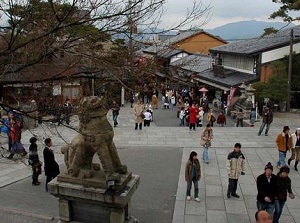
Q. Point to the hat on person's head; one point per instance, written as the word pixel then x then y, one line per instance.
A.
pixel 286 128
pixel 269 166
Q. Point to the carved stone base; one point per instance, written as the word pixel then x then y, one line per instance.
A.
pixel 94 205
pixel 97 180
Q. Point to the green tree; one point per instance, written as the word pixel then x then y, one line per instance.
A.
pixel 268 31
pixel 286 9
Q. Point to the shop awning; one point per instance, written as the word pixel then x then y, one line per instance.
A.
pixel 212 84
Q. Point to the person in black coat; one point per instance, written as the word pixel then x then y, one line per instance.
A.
pixel 34 161
pixel 50 165
pixel 266 190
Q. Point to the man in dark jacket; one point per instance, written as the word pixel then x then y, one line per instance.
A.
pixel 50 165
pixel 266 190
pixel 267 116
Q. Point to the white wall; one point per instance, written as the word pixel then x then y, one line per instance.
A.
pixel 238 63
pixel 279 53
pixel 178 56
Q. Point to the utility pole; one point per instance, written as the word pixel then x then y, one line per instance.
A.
pixel 288 104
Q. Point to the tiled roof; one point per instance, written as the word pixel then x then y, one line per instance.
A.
pixel 260 44
pixel 194 62
pixel 163 51
pixel 233 78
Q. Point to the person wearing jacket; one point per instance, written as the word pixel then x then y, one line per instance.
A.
pixel 283 187
pixel 34 161
pixel 193 111
pixel 235 165
pixel 267 119
pixel 50 165
pixel 192 175
pixel 266 190
pixel 295 148
pixel 284 143
pixel 206 137
pixel 221 120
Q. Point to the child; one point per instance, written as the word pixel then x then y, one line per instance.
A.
pixel 147 118
pixel 34 161
pixel 181 116
pixel 192 175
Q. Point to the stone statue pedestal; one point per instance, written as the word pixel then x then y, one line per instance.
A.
pixel 93 205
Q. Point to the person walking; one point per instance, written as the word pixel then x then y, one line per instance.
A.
pixel 181 116
pixel 235 165
pixel 200 117
pixel 284 143
pixel 154 101
pixel 50 165
pixel 295 148
pixel 252 117
pixel 139 115
pixel 67 111
pixel 193 112
pixel 240 118
pixel 266 190
pixel 147 118
pixel 266 120
pixel 34 161
pixel 15 134
pixel 206 137
pixel 221 120
pixel 283 187
pixel 115 112
pixel 192 175
pixel 211 117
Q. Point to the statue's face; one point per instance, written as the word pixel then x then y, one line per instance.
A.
pixel 94 104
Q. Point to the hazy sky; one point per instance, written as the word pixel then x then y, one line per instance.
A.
pixel 222 11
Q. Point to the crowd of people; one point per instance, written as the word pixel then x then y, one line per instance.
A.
pixel 14 132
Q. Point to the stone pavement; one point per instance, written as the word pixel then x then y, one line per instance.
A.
pixel 214 206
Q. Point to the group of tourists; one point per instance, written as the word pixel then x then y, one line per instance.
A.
pixel 272 190
pixel 14 132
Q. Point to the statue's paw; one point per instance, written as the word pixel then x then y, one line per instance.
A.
pixel 87 175
pixel 122 169
pixel 114 177
pixel 73 172
pixel 96 166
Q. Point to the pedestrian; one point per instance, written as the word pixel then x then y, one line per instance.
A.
pixel 295 148
pixel 15 133
pixel 147 118
pixel 131 99
pixel 221 120
pixel 67 111
pixel 211 117
pixel 266 120
pixel 115 112
pixel 193 112
pixel 266 190
pixel 263 217
pixel 139 116
pixel 252 117
pixel 154 101
pixel 206 137
pixel 240 118
pixel 283 187
pixel 34 161
pixel 200 117
pixel 50 165
pixel 192 175
pixel 181 116
pixel 235 165
pixel 284 143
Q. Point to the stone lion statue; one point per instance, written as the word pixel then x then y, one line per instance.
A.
pixel 95 136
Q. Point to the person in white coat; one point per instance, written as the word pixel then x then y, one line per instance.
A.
pixel 235 165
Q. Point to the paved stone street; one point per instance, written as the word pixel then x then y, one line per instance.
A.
pixel 214 206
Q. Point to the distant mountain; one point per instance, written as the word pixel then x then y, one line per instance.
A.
pixel 245 29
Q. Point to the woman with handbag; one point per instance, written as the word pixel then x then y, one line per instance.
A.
pixel 34 161
pixel 139 115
